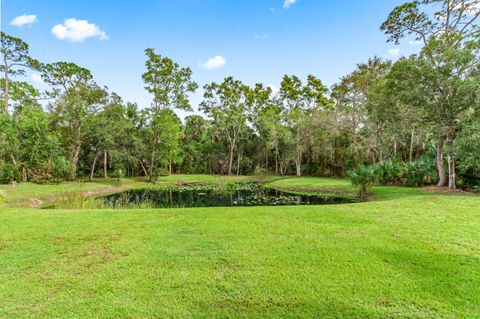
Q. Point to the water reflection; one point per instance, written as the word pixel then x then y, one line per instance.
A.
pixel 181 198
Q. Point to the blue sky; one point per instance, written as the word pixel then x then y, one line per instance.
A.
pixel 259 40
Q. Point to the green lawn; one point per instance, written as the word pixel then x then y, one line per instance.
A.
pixel 406 255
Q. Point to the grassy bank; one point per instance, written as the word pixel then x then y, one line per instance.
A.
pixel 409 255
pixel 31 195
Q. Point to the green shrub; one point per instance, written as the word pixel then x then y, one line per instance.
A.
pixel 118 173
pixel 363 177
pixel 61 168
pixel 246 166
pixel 162 172
pixel 467 155
pixel 418 173
pixel 8 173
pixel 390 171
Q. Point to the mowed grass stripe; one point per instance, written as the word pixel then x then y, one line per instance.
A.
pixel 413 258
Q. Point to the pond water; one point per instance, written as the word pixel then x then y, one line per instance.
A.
pixel 247 195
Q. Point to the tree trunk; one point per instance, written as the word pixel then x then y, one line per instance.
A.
pixel 105 168
pixel 152 162
pixel 93 167
pixel 24 175
pixel 280 165
pixel 451 173
pixel 276 160
pixel 143 168
pixel 410 156
pixel 442 179
pixel 14 161
pixel 232 147
pixel 298 160
pixel 239 158
pixel 298 164
pixel 7 84
pixel 75 158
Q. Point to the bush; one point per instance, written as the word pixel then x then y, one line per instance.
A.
pixel 363 177
pixel 8 173
pixel 118 173
pixel 390 171
pixel 467 154
pixel 246 166
pixel 418 173
pixel 162 172
pixel 61 168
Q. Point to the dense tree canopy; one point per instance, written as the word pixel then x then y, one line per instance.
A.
pixel 411 120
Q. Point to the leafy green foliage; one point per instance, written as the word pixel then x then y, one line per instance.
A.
pixel 417 173
pixel 8 173
pixel 363 177
pixel 118 173
pixel 467 148
pixel 169 84
pixel 392 116
pixel 229 105
pixel 16 61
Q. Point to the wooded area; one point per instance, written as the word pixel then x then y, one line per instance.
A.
pixel 415 121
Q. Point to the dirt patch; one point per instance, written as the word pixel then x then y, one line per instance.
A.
pixel 445 190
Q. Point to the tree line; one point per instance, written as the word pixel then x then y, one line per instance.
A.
pixel 420 114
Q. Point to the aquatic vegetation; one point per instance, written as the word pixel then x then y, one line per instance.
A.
pixel 214 195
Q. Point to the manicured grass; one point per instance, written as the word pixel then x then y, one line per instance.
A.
pixel 410 255
pixel 341 187
pixel 315 185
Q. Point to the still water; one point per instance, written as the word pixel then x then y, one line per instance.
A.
pixel 204 197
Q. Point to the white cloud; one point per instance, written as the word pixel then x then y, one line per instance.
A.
pixel 213 63
pixel 415 43
pixel 36 78
pixel 288 3
pixel 78 30
pixel 473 7
pixel 394 52
pixel 261 36
pixel 273 88
pixel 25 19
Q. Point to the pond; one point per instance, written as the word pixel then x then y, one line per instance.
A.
pixel 214 196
